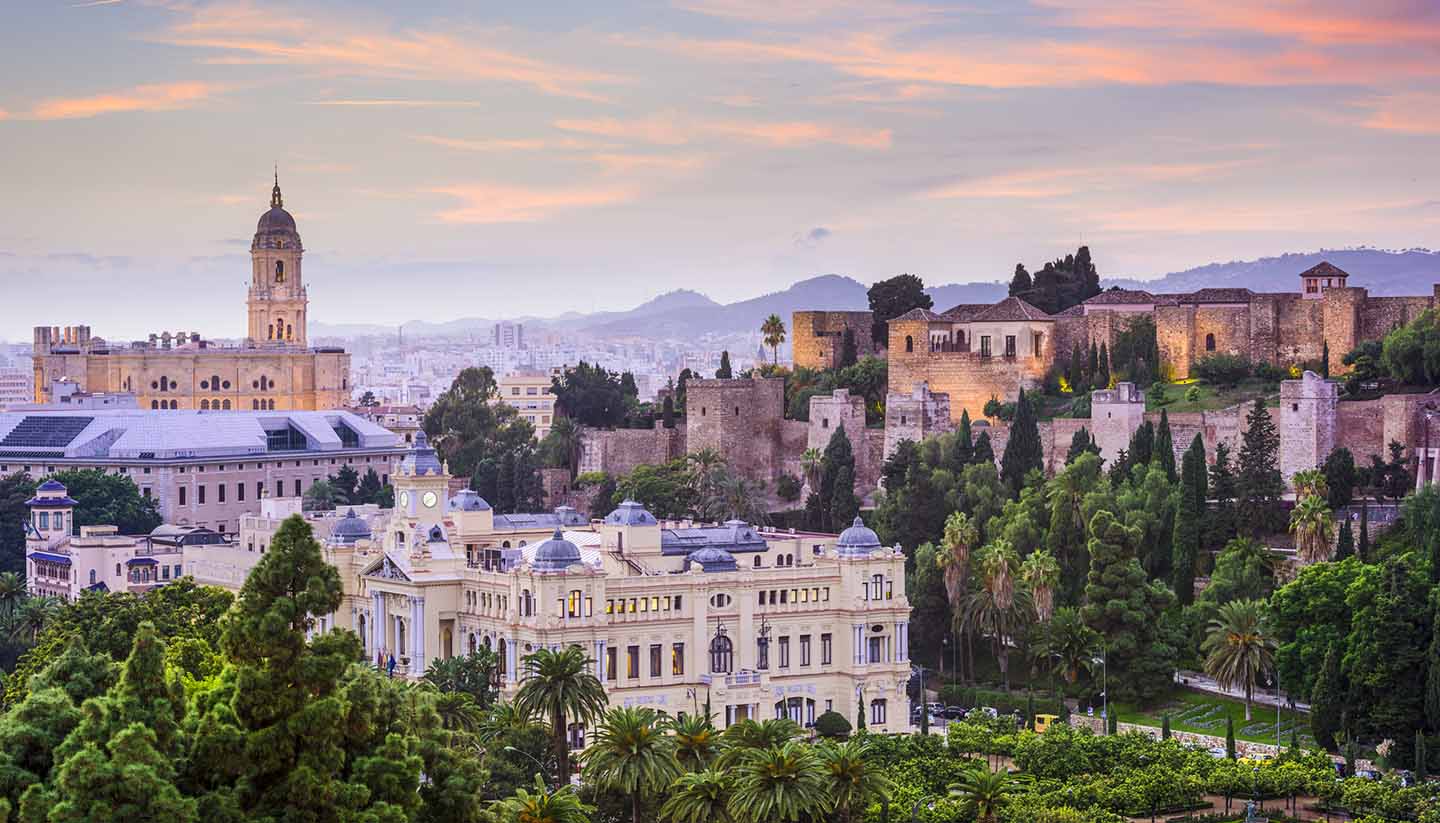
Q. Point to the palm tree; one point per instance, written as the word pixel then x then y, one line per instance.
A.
pixel 1310 482
pixel 998 610
pixel 458 711
pixel 812 460
pixel 559 685
pixel 983 791
pixel 1040 572
pixel 562 444
pixel 543 806
pixel 697 741
pixel 1314 528
pixel 781 783
pixel 1070 644
pixel 747 736
pixel 959 540
pixel 774 330
pixel 854 781
pixel 699 797
pixel 632 755
pixel 12 591
pixel 32 616
pixel 1238 649
pixel 502 718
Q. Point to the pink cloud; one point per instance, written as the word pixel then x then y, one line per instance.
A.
pixel 672 130
pixel 483 203
pixel 156 97
pixel 1040 184
pixel 615 163
pixel 1408 113
pixel 659 129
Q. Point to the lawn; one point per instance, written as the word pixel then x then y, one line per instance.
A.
pixel 1203 713
pixel 1213 398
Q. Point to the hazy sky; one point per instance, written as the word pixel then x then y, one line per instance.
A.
pixel 463 158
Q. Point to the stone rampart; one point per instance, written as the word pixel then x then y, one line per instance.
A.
pixel 816 337
pixel 618 451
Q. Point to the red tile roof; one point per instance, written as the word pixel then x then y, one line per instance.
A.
pixel 1125 296
pixel 1324 269
pixel 920 314
pixel 1010 309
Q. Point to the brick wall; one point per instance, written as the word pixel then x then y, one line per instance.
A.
pixel 1378 315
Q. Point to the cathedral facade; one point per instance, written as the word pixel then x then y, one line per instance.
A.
pixel 273 368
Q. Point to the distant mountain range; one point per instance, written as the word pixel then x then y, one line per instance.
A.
pixel 687 313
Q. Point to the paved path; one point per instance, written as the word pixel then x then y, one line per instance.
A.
pixel 1198 681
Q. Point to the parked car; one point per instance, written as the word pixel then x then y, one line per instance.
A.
pixel 1218 752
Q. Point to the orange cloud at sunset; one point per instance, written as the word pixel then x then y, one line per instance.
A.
pixel 672 130
pixel 483 203
pixel 156 97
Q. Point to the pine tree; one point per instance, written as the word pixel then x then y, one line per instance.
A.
pixel 724 372
pixel 1102 381
pixel 1020 283
pixel 1188 522
pixel 1259 485
pixel 984 452
pixel 1345 543
pixel 846 506
pixel 839 456
pixel 1230 736
pixel 1327 701
pixel 1023 451
pixel 1222 491
pixel 1165 446
pixel 1123 606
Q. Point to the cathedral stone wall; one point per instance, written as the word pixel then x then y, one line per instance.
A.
pixel 816 337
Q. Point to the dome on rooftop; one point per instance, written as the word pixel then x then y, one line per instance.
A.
pixel 276 221
pixel 468 500
pixel 350 529
pixel 630 513
pixel 857 541
pixel 556 554
pixel 712 559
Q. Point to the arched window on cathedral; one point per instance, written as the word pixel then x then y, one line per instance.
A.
pixel 1209 342
pixel 909 343
pixel 154 404
pixel 225 404
pixel 204 405
pixel 289 332
pixel 174 404
pixel 270 334
pixel 279 271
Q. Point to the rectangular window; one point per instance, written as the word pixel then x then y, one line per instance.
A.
pixel 877 712
pixel 610 663
pixel 655 604
pixel 984 345
pixel 875 650
pixel 644 604
pixel 827 648
pixel 784 652
pixel 45 521
pixel 632 662
pixel 279 488
pixel 240 492
pixel 220 492
pixel 182 495
pixel 146 491
pixel 655 649
pixel 574 610
pixel 589 606
pixel 677 602
pixel 200 494
pixel 677 659
pixel 804 649
pixel 164 572
pixel 1009 345
pixel 610 606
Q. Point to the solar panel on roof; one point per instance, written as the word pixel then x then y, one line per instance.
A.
pixel 45 432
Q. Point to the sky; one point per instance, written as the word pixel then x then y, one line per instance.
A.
pixel 451 159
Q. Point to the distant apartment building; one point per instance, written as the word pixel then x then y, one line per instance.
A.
pixel 15 386
pixel 402 420
pixel 529 393
pixel 202 468
pixel 509 335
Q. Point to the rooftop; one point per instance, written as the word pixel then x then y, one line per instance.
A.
pixel 1010 309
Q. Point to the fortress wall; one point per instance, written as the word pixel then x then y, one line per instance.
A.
pixel 1378 315
pixel 1232 327
pixel 740 419
pixel 1360 427
pixel 1301 330
pixel 816 336
pixel 1175 335
pixel 618 451
pixel 1341 326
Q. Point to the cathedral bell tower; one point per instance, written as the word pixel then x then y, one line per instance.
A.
pixel 277 299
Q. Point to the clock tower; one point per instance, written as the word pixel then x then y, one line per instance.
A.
pixel 277 301
pixel 422 495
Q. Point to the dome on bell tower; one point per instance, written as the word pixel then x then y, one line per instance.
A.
pixel 276 224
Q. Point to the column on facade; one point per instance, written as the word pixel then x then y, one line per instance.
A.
pixel 417 632
pixel 858 639
pixel 377 624
pixel 902 632
pixel 747 637
pixel 600 660
pixel 511 658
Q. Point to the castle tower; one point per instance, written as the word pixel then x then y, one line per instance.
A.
pixel 277 301
pixel 1307 422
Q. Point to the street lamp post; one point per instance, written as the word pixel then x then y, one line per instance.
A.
pixel 528 756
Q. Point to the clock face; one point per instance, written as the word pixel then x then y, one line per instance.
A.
pixel 429 500
pixel 404 499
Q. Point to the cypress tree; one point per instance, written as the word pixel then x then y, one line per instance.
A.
pixel 860 714
pixel 1345 542
pixel 1230 736
pixel 1030 710
pixel 1165 727
pixel 667 413
pixel 1295 737
pixel 1142 444
pixel 504 499
pixel 1188 522
pixel 1103 380
pixel 1349 757
pixel 1165 446
pixel 724 372
pixel 984 452
pixel 1092 365
pixel 839 456
pixel 1362 549
pixel 846 506
pixel 1020 283
pixel 849 354
pixel 1432 673
pixel 964 443
pixel 1421 772
pixel 1023 451
pixel 1327 701
pixel 1075 370
pixel 1325 358
pixel 1080 443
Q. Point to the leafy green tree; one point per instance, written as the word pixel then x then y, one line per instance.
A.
pixel 1327 701
pixel 126 779
pixel 472 674
pixel 369 489
pixel 773 332
pixel 854 778
pixel 724 372
pixel 1125 608
pixel 15 489
pixel 1023 451
pixel 845 507
pixel 1339 469
pixel 543 806
pixel 591 395
pixel 109 500
pixel 558 685
pixel 699 797
pixel 1384 653
pixel 893 297
pixel 780 783
pixel 346 483
pixel 1411 353
pixel 320 497
pixel 631 755
pixel 833 725
pixel 1020 283
pixel 1239 650
pixel 466 425
pixel 1188 521
pixel 1258 483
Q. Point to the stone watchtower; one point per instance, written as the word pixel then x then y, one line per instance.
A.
pixel 1307 422
pixel 1115 414
pixel 277 299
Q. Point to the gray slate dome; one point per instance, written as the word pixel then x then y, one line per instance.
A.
pixel 468 500
pixel 350 529
pixel 858 540
pixel 630 513
pixel 276 220
pixel 712 559
pixel 556 554
pixel 421 459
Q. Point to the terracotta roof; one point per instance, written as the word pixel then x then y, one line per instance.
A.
pixel 1324 269
pixel 965 311
pixel 1114 296
pixel 1074 311
pixel 920 314
pixel 1011 308
pixel 1217 296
